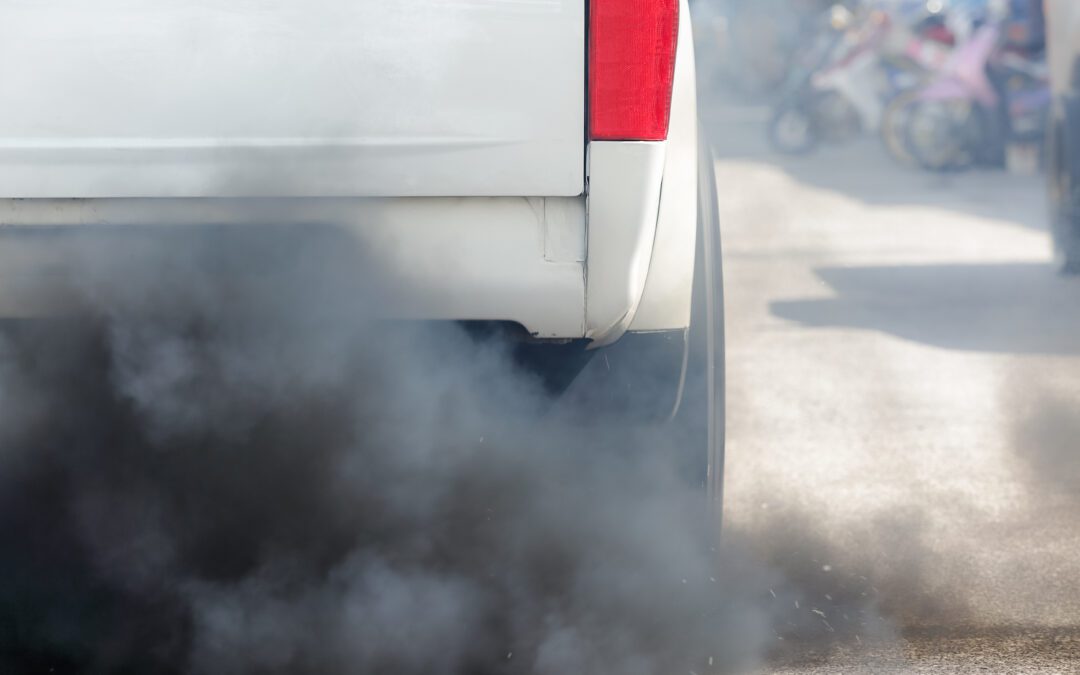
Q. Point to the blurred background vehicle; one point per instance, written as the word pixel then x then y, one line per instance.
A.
pixel 1063 163
pixel 987 104
pixel 948 84
pixel 858 62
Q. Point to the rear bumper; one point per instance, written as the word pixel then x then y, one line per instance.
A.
pixel 490 259
pixel 562 267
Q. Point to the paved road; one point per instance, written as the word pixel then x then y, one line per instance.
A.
pixel 904 413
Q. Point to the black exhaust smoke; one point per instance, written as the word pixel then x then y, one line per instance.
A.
pixel 220 465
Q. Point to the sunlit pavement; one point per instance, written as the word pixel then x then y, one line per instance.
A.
pixel 904 408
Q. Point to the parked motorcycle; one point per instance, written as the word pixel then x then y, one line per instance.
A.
pixel 985 101
pixel 844 86
pixel 927 45
pixel 834 90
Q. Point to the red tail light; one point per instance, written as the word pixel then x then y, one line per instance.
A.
pixel 631 68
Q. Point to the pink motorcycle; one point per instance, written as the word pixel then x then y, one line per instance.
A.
pixel 985 98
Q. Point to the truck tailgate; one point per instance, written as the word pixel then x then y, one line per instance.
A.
pixel 204 98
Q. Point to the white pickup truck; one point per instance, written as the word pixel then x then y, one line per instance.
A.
pixel 1063 162
pixel 526 163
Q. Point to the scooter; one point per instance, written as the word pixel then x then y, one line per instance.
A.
pixel 985 101
pixel 835 91
pixel 927 45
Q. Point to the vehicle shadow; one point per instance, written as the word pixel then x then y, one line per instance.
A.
pixel 1004 307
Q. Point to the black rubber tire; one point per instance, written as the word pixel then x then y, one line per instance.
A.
pixel 933 155
pixel 894 133
pixel 1064 199
pixel 669 386
pixel 700 417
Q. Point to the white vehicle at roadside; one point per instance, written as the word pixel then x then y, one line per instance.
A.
pixel 530 163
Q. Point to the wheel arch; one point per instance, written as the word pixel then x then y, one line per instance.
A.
pixel 665 300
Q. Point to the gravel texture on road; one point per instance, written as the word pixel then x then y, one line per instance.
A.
pixel 904 409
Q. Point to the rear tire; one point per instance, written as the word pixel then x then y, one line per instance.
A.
pixel 938 135
pixel 670 385
pixel 1064 198
pixel 700 418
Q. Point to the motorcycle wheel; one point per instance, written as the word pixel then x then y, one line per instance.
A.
pixel 1064 197
pixel 894 128
pixel 939 133
pixel 792 130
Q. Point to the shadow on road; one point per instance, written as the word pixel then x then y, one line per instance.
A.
pixel 969 307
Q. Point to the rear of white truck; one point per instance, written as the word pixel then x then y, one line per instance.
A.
pixel 531 163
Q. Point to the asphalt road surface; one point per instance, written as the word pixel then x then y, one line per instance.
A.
pixel 904 409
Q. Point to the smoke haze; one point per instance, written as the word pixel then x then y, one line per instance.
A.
pixel 297 487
